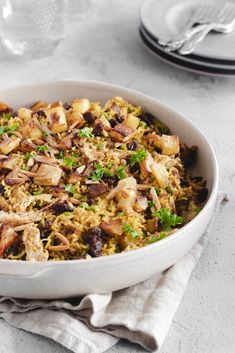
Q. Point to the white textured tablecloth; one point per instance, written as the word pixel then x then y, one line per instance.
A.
pixel 142 313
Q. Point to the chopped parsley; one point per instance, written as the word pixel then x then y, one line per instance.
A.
pixel 42 148
pixel 120 172
pixel 151 203
pixel 8 129
pixel 70 162
pixel 60 155
pixel 170 190
pixel 71 189
pixel 168 219
pixel 2 130
pixel 84 205
pixel 98 172
pixel 38 192
pixel 129 230
pixel 86 132
pixel 67 213
pixel 154 238
pixel 7 116
pixel 138 157
pixel 29 155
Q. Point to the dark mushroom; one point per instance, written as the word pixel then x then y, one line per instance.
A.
pixel 93 237
pixel 97 189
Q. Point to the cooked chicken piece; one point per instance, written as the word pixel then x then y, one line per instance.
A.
pixel 7 237
pixel 10 162
pixel 81 105
pixel 9 144
pixel 46 160
pixel 113 227
pixel 95 190
pixel 15 177
pixel 145 166
pixel 155 198
pixel 33 244
pixel 89 153
pixel 19 218
pixel 52 175
pixel 30 130
pixel 74 178
pixel 66 143
pixel 125 193
pixel 140 204
pixel 58 122
pixel 132 121
pixel 122 133
pixel 76 117
pixel 21 200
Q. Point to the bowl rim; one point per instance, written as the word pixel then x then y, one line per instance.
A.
pixel 146 248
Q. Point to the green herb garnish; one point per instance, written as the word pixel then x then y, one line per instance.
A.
pixel 120 172
pixel 29 155
pixel 129 230
pixel 67 213
pixel 168 219
pixel 38 192
pixel 151 203
pixel 170 190
pixel 86 132
pixel 71 189
pixel 7 116
pixel 42 148
pixel 2 130
pixel 98 173
pixel 60 155
pixel 70 162
pixel 138 157
pixel 155 238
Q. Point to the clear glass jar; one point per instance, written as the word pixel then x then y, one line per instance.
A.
pixel 32 28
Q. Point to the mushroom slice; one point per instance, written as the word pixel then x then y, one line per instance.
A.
pixel 33 244
pixel 48 175
pixel 7 237
pixel 113 227
pixel 122 133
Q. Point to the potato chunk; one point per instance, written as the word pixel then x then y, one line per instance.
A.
pixel 132 121
pixel 48 175
pixel 170 144
pixel 8 145
pixel 81 105
pixel 58 122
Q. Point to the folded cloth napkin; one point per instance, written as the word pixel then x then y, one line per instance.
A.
pixel 92 324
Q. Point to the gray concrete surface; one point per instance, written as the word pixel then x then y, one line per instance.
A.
pixel 106 46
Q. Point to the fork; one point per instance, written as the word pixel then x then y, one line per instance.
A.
pixel 225 24
pixel 190 28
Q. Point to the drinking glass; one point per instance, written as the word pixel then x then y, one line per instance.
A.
pixel 31 28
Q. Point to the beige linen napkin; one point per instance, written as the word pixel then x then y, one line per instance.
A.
pixel 92 324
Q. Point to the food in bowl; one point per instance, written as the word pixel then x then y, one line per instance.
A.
pixel 82 180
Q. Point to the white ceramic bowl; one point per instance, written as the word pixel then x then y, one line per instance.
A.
pixel 108 273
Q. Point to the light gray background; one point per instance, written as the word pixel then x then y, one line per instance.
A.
pixel 106 46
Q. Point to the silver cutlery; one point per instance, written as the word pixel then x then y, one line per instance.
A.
pixel 225 24
pixel 208 17
pixel 199 16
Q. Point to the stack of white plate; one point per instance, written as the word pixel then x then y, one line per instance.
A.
pixel 164 19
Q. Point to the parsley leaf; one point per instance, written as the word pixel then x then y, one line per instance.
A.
pixel 60 155
pixel 120 172
pixel 71 189
pixel 98 173
pixel 42 148
pixel 138 157
pixel 70 162
pixel 6 116
pixel 86 132
pixel 154 238
pixel 29 155
pixel 128 229
pixel 2 130
pixel 168 219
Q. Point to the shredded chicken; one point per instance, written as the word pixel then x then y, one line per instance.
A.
pixel 33 244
